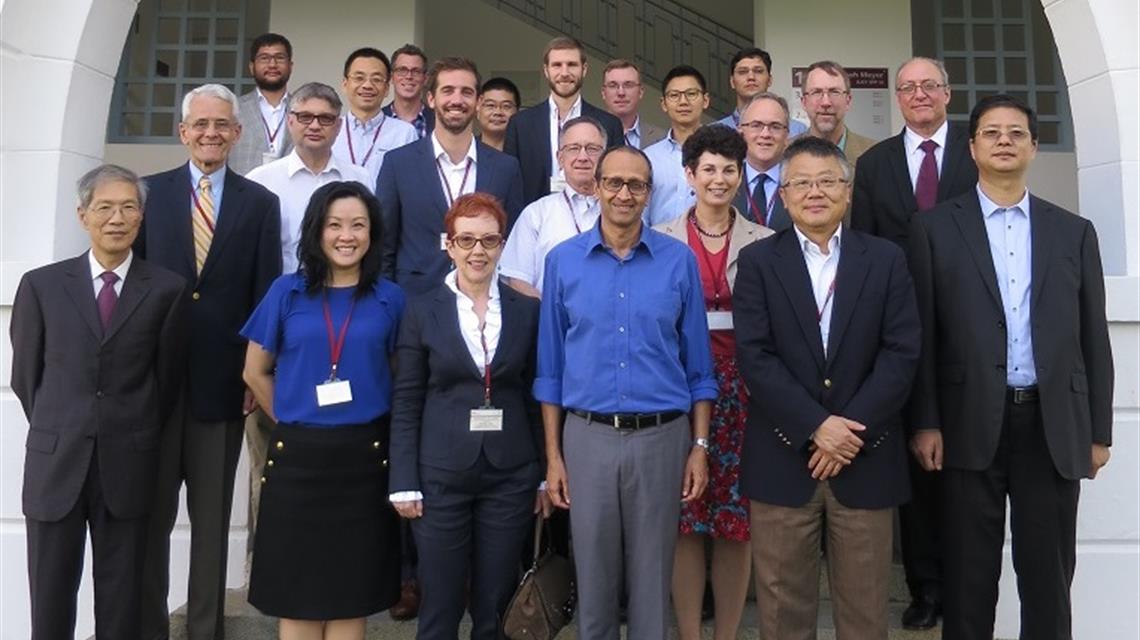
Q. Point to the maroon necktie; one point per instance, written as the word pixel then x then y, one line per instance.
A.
pixel 107 297
pixel 926 187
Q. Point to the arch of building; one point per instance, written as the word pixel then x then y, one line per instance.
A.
pixel 58 60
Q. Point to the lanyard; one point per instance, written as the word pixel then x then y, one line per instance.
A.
pixel 336 344
pixel 827 300
pixel 371 148
pixel 716 277
pixel 447 185
pixel 756 210
pixel 486 369
pixel 202 212
pixel 573 218
pixel 271 135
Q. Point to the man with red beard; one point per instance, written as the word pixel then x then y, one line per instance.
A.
pixel 262 111
pixel 532 135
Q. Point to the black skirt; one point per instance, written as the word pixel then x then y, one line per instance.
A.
pixel 328 542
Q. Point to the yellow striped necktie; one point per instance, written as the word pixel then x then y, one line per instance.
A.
pixel 203 216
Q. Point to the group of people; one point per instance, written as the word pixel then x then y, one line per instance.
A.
pixel 719 336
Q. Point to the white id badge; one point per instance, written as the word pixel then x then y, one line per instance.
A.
pixel 443 241
pixel 557 183
pixel 333 392
pixel 719 320
pixel 268 157
pixel 487 419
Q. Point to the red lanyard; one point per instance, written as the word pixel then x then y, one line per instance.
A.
pixel 336 344
pixel 823 307
pixel 573 218
pixel 716 277
pixel 371 148
pixel 202 212
pixel 447 185
pixel 486 369
pixel 271 135
pixel 756 210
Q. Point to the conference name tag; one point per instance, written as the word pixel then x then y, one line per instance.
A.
pixel 333 392
pixel 443 241
pixel 719 320
pixel 487 419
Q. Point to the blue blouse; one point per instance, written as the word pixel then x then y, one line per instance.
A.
pixel 290 324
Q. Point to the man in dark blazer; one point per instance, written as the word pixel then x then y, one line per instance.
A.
pixel 97 350
pixel 419 181
pixel 1014 391
pixel 928 162
pixel 222 233
pixel 828 339
pixel 531 134
pixel 759 197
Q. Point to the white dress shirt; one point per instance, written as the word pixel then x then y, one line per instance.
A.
pixel 914 155
pixel 1009 230
pixel 556 128
pixel 97 270
pixel 822 270
pixel 294 184
pixel 455 178
pixel 371 140
pixel 541 226
pixel 273 122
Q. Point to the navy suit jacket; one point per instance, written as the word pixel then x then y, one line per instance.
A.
pixel 866 374
pixel 437 384
pixel 413 204
pixel 528 139
pixel 244 259
pixel 779 218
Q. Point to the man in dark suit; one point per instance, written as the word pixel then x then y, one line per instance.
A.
pixel 532 135
pixel 1014 392
pixel 828 340
pixel 97 350
pixel 222 233
pixel 764 125
pixel 419 181
pixel 926 163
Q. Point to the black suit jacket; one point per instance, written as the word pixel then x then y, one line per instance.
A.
pixel 883 199
pixel 865 376
pixel 437 385
pixel 413 204
pixel 777 221
pixel 85 392
pixel 961 384
pixel 528 139
pixel 244 259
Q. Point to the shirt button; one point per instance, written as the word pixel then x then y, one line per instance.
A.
pixel 621 329
pixel 196 295
pixel 621 294
pixel 827 383
pixel 621 364
pixel 98 394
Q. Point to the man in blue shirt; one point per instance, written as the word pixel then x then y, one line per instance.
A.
pixel 623 348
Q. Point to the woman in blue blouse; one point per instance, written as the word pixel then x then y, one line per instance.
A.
pixel 318 362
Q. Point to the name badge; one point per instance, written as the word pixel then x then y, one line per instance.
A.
pixel 487 419
pixel 268 157
pixel 443 241
pixel 719 320
pixel 557 183
pixel 333 392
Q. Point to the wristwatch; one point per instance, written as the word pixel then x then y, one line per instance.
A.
pixel 702 443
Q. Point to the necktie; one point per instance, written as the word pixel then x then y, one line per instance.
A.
pixel 926 187
pixel 203 216
pixel 107 297
pixel 760 199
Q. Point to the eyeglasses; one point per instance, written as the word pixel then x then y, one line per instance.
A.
pixel 105 210
pixel 691 95
pixel 360 78
pixel 927 86
pixel 265 58
pixel 614 86
pixel 993 135
pixel 615 185
pixel 827 184
pixel 592 150
pixel 467 241
pixel 202 125
pixel 306 118
pixel 506 106
pixel 408 72
pixel 817 94
pixel 757 126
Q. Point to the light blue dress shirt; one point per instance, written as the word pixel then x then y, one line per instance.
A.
pixel 217 181
pixel 671 195
pixel 771 187
pixel 1010 236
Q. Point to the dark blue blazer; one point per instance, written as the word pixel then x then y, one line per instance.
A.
pixel 244 259
pixel 437 385
pixel 528 139
pixel 873 350
pixel 778 221
pixel 412 205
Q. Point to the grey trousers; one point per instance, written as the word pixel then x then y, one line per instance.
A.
pixel 625 504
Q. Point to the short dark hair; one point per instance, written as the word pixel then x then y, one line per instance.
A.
pixel 817 148
pixel 410 50
pixel 621 63
pixel 451 63
pixel 368 52
pixel 830 68
pixel 502 84
pixel 310 255
pixel 684 71
pixel 562 43
pixel 268 40
pixel 750 52
pixel 1002 100
pixel 623 148
pixel 717 139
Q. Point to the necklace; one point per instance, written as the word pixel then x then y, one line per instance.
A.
pixel 697 225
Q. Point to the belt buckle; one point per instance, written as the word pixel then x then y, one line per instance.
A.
pixel 617 421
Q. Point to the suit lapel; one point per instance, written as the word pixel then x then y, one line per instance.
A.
pixel 508 298
pixel 484 171
pixel 792 273
pixel 79 286
pixel 849 278
pixel 544 143
pixel 779 219
pixel 178 206
pixel 447 319
pixel 973 228
pixel 957 152
pixel 136 286
pixel 1040 229
pixel 897 160
pixel 431 171
pixel 233 201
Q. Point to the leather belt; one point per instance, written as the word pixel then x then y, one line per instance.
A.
pixel 630 421
pixel 1023 395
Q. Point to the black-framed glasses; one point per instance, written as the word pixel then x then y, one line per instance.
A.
pixel 757 126
pixel 467 241
pixel 266 58
pixel 306 118
pixel 413 72
pixel 691 95
pixel 615 185
pixel 927 86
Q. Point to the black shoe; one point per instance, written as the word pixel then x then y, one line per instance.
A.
pixel 921 614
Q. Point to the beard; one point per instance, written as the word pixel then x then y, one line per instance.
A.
pixel 554 88
pixel 271 85
pixel 443 119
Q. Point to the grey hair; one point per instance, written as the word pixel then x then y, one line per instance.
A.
pixel 768 95
pixel 937 63
pixel 214 91
pixel 818 148
pixel 107 173
pixel 312 90
pixel 572 122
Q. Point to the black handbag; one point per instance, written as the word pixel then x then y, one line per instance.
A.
pixel 545 600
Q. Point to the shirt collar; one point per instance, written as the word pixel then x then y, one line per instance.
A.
pixel 912 139
pixel 261 100
pixel 452 282
pixel 440 154
pixel 574 193
pixel 806 243
pixel 648 239
pixel 751 173
pixel 989 207
pixel 636 128
pixel 217 178
pixel 98 269
pixel 294 164
pixel 575 108
pixel 371 124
